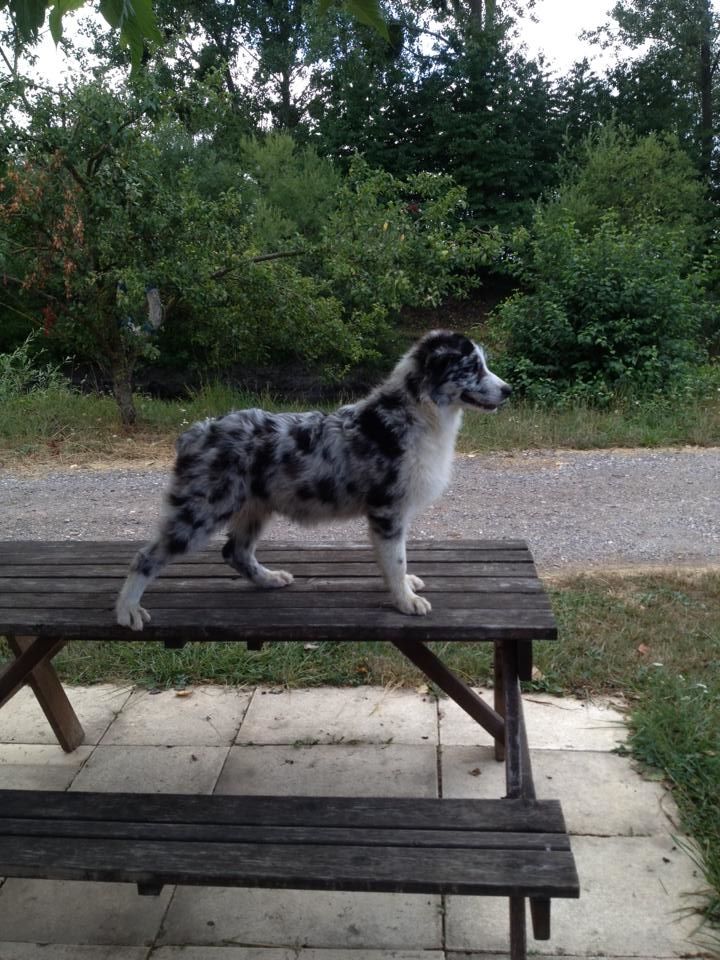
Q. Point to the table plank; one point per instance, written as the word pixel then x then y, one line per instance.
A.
pixel 480 590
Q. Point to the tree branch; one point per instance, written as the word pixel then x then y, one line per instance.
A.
pixel 263 258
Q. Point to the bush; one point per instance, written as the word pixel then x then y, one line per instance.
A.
pixel 616 309
pixel 21 372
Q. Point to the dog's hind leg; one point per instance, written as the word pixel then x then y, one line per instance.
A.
pixel 178 534
pixel 388 540
pixel 244 531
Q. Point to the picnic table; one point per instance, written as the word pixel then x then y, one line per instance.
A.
pixel 52 593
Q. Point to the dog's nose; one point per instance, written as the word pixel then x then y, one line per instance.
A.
pixel 506 389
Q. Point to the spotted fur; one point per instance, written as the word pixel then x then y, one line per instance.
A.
pixel 385 458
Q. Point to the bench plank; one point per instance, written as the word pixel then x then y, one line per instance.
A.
pixel 493 847
pixel 426 813
pixel 388 869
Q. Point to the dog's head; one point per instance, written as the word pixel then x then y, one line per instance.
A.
pixel 451 370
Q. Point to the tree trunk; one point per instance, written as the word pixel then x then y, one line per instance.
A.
pixel 123 393
pixel 706 106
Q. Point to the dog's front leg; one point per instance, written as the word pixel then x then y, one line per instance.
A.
pixel 391 558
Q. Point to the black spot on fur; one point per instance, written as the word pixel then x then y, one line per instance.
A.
pixel 176 542
pixel 291 464
pixel 377 431
pixel 220 491
pixel 391 401
pixel 184 463
pixel 177 500
pixel 326 490
pixel 381 494
pixel 385 526
pixel 229 548
pixel 412 385
pixel 259 471
pixel 303 438
pixel 351 488
pixel 305 492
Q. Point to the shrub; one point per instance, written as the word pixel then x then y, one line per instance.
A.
pixel 22 372
pixel 616 309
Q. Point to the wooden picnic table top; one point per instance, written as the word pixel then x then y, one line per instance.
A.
pixel 481 590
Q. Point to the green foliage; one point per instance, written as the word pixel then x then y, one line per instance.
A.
pixel 395 243
pixel 612 295
pixel 640 180
pixel 676 729
pixel 615 310
pixel 22 371
pixel 291 188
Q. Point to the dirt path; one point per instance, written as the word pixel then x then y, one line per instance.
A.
pixel 576 509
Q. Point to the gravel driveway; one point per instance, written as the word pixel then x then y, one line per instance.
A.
pixel 576 509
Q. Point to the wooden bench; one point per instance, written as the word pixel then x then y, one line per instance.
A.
pixel 516 847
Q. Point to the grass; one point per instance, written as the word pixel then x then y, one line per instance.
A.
pixel 655 639
pixel 61 426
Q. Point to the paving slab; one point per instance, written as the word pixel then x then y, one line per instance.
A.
pixel 631 889
pixel 39 766
pixel 23 721
pixel 553 723
pixel 75 912
pixel 152 769
pixel 280 953
pixel 367 770
pixel 69 951
pixel 601 794
pixel 201 715
pixel 303 918
pixel 334 715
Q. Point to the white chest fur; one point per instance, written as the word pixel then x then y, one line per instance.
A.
pixel 431 457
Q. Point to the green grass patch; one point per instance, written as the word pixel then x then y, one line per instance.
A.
pixel 68 426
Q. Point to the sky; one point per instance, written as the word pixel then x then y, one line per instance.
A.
pixel 556 34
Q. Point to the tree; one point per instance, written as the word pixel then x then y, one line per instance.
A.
pixel 135 22
pixel 679 43
pixel 106 220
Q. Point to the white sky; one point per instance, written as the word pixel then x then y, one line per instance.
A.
pixel 556 34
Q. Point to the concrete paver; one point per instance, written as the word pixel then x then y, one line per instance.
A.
pixel 39 766
pixel 96 707
pixel 204 716
pixel 367 769
pixel 601 794
pixel 152 769
pixel 632 891
pixel 69 951
pixel 366 741
pixel 303 918
pixel 553 723
pixel 68 912
pixel 334 715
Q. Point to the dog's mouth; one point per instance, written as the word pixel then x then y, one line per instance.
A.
pixel 472 401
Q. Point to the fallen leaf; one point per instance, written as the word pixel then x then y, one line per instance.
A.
pixel 643 649
pixel 310 646
pixel 537 674
pixel 422 689
pixel 476 772
pixel 183 693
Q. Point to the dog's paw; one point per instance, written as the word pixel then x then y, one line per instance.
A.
pixel 272 579
pixel 413 582
pixel 414 605
pixel 131 615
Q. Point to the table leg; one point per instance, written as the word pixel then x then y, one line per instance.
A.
pixel 49 692
pixel 466 698
pixel 518 933
pixel 499 696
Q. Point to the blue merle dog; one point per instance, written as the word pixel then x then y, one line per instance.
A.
pixel 385 458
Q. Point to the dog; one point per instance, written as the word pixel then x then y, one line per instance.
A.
pixel 384 457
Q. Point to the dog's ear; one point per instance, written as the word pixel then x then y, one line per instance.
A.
pixel 437 365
